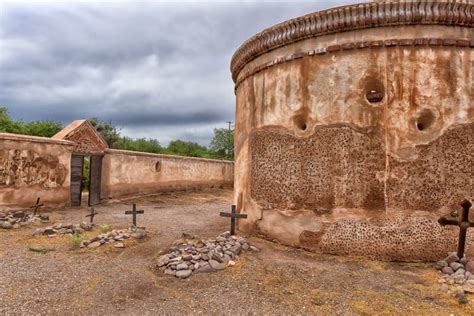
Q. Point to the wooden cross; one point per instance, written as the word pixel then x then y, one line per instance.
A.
pixel 92 214
pixel 463 224
pixel 233 216
pixel 36 206
pixel 134 213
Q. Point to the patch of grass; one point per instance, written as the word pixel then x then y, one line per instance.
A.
pixel 104 228
pixel 41 250
pixel 77 239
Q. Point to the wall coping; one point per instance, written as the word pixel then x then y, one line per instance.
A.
pixel 349 18
pixel 35 139
pixel 140 153
pixel 359 45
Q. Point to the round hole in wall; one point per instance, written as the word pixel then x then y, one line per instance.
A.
pixel 374 91
pixel 158 166
pixel 425 119
pixel 300 123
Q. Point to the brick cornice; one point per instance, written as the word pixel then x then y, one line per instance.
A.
pixel 333 49
pixel 351 17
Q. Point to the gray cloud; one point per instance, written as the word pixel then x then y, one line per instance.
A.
pixel 156 69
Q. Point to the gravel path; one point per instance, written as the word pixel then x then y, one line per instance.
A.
pixel 277 279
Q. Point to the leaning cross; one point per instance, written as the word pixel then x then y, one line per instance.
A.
pixel 36 206
pixel 92 214
pixel 134 213
pixel 463 224
pixel 233 216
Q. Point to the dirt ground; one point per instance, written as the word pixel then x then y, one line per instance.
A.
pixel 275 280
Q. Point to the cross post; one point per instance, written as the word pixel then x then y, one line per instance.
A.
pixel 134 213
pixel 37 206
pixel 233 217
pixel 463 224
pixel 92 214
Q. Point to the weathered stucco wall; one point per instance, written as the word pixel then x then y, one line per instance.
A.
pixel 128 172
pixel 356 142
pixel 32 167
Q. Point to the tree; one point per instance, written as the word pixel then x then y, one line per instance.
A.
pixel 109 132
pixel 42 128
pixel 7 125
pixel 142 144
pixel 36 128
pixel 183 148
pixel 223 143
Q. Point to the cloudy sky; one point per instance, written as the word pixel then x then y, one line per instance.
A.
pixel 156 69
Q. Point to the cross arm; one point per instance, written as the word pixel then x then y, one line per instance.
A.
pixel 233 215
pixel 444 221
pixel 135 212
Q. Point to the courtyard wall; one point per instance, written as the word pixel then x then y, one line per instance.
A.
pixel 128 172
pixel 32 167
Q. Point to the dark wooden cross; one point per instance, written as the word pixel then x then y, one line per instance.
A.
pixel 92 214
pixel 134 213
pixel 463 224
pixel 233 216
pixel 37 206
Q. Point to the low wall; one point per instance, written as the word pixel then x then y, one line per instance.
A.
pixel 32 167
pixel 129 172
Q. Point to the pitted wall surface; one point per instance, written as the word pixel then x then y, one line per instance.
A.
pixel 338 166
pixel 32 167
pixel 27 167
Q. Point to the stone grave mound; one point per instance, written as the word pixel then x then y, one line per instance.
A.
pixel 189 255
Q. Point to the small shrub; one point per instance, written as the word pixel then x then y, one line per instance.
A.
pixel 41 250
pixel 77 240
pixel 104 228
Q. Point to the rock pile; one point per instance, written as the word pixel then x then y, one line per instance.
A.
pixel 457 276
pixel 17 219
pixel 60 229
pixel 116 236
pixel 191 255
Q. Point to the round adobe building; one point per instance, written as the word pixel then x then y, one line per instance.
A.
pixel 355 129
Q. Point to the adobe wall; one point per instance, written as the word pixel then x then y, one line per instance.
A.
pixel 32 167
pixel 128 172
pixel 320 166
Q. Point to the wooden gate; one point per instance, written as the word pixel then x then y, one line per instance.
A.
pixel 94 176
pixel 77 162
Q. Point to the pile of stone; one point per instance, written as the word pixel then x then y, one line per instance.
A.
pixel 17 219
pixel 457 276
pixel 116 236
pixel 60 229
pixel 191 255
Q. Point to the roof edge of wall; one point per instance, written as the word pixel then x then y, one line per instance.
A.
pixel 36 139
pixel 141 153
pixel 352 17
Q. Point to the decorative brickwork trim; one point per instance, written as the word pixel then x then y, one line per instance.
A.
pixel 436 42
pixel 352 17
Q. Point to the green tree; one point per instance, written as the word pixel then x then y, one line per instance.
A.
pixel 42 128
pixel 142 144
pixel 7 125
pixel 223 143
pixel 36 128
pixel 109 132
pixel 191 149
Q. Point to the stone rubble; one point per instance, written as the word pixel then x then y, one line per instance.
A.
pixel 60 229
pixel 190 255
pixel 457 276
pixel 116 236
pixel 17 219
